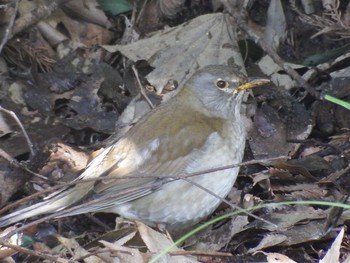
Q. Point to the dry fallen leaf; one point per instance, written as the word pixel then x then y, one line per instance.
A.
pixel 269 241
pixel 333 253
pixel 278 258
pixel 124 254
pixel 275 29
pixel 4 126
pixel 288 217
pixel 272 129
pixel 177 52
pixel 169 8
pixel 76 250
pixel 276 73
pixel 213 239
pixel 156 242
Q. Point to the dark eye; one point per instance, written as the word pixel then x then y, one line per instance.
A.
pixel 222 84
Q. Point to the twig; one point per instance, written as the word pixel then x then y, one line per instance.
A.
pixel 277 59
pixel 9 27
pixel 99 222
pixel 14 116
pixel 31 252
pixel 94 253
pixel 228 203
pixel 165 179
pixel 199 253
pixel 8 158
pixel 241 23
pixel 143 93
pixel 15 163
pixel 150 186
pixel 141 11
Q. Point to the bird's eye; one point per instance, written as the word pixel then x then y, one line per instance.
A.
pixel 222 84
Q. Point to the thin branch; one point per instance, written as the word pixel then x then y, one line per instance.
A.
pixel 277 59
pixel 199 253
pixel 15 163
pixel 241 23
pixel 9 27
pixel 228 203
pixel 141 11
pixel 163 181
pixel 143 93
pixel 152 185
pixel 14 116
pixel 31 252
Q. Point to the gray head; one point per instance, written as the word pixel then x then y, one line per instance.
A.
pixel 218 87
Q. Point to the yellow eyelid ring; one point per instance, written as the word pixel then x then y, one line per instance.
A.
pixel 253 83
pixel 222 84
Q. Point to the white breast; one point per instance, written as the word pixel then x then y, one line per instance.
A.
pixel 167 204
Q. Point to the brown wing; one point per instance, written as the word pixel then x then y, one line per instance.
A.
pixel 164 151
pixel 156 145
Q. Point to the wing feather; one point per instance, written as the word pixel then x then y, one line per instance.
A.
pixel 156 146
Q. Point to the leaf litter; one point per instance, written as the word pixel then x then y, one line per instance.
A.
pixel 285 114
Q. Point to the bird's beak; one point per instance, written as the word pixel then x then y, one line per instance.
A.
pixel 252 83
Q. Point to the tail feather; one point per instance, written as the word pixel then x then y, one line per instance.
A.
pixel 64 198
pixel 56 203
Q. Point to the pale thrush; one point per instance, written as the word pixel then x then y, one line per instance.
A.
pixel 199 128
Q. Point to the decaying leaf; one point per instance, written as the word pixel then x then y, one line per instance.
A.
pixel 4 126
pixel 274 126
pixel 268 241
pixel 77 251
pixel 177 52
pixel 277 257
pixel 275 30
pixel 333 253
pixel 214 239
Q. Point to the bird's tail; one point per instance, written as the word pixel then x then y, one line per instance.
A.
pixel 63 198
pixel 57 201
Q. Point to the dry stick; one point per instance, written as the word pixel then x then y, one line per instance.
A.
pixel 150 186
pixel 133 18
pixel 14 116
pixel 15 163
pixel 128 32
pixel 228 202
pixel 31 252
pixel 9 27
pixel 170 178
pixel 36 15
pixel 28 198
pixel 7 157
pixel 99 222
pixel 100 251
pixel 71 210
pixel 277 59
pixel 143 93
pixel 141 11
pixel 199 253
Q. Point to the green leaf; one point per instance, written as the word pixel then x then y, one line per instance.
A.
pixel 325 56
pixel 26 241
pixel 339 102
pixel 115 7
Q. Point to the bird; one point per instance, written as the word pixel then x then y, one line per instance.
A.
pixel 140 175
